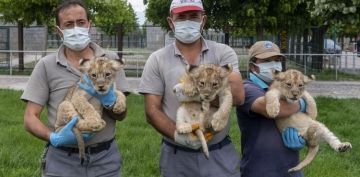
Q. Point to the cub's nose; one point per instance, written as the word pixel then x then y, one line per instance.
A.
pixel 101 88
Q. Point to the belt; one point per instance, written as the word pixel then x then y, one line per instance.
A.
pixel 212 147
pixel 91 149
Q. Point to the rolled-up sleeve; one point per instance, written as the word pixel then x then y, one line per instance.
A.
pixel 37 88
pixel 151 80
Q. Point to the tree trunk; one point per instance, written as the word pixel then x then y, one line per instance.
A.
pixel 120 34
pixel 46 41
pixel 227 38
pixel 21 45
pixel 317 46
pixel 298 47
pixel 306 45
pixel 283 46
pixel 259 32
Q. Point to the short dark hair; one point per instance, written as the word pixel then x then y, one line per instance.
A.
pixel 68 3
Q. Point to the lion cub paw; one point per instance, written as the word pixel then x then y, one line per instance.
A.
pixel 343 147
pixel 273 109
pixel 183 128
pixel 218 122
pixel 119 107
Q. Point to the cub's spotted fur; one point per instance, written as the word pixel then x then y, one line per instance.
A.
pixel 206 82
pixel 290 86
pixel 102 72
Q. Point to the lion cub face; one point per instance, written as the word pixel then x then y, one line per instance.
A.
pixel 102 72
pixel 291 83
pixel 209 79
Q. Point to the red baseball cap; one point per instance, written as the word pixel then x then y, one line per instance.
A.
pixel 178 6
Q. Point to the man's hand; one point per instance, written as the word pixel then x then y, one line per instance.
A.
pixel 292 139
pixel 188 140
pixel 107 100
pixel 65 136
pixel 303 105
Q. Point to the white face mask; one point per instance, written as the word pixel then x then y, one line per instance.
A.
pixel 76 38
pixel 187 31
pixel 267 69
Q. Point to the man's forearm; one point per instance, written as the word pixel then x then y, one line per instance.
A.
pixel 161 123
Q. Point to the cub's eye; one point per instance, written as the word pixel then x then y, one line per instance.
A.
pixel 215 84
pixel 301 85
pixel 107 74
pixel 93 75
pixel 288 84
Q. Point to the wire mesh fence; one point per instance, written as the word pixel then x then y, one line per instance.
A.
pixel 344 66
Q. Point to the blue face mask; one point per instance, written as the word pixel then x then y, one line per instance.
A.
pixel 267 69
pixel 187 31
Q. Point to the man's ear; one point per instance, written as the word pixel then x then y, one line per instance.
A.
pixel 170 23
pixel 203 22
pixel 90 22
pixel 58 31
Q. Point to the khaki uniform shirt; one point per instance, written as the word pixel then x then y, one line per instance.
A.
pixel 165 67
pixel 51 79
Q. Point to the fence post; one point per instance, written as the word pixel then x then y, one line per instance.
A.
pixel 336 68
pixel 354 56
pixel 10 63
pixel 346 62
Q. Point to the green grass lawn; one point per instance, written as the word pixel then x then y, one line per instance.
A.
pixel 139 143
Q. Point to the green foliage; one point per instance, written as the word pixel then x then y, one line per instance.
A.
pixel 157 11
pixel 109 14
pixel 270 16
pixel 345 14
pixel 106 14
pixel 27 11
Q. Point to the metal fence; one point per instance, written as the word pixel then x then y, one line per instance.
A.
pixel 344 66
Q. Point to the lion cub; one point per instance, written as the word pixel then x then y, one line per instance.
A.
pixel 208 81
pixel 290 86
pixel 102 72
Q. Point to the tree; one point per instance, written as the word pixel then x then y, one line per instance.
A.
pixel 218 14
pixel 157 11
pixel 24 13
pixel 329 14
pixel 112 16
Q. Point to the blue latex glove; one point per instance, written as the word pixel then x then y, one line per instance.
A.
pixel 107 100
pixel 66 136
pixel 292 139
pixel 302 104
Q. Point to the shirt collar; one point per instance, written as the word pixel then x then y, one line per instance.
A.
pixel 258 81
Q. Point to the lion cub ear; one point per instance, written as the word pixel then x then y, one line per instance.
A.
pixel 309 78
pixel 191 71
pixel 226 70
pixel 190 68
pixel 116 64
pixel 278 76
pixel 84 65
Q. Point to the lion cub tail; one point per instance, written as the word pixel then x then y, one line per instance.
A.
pixel 81 144
pixel 202 139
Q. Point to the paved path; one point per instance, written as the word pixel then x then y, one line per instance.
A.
pixel 336 89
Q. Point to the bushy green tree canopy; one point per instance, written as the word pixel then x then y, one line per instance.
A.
pixel 269 15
